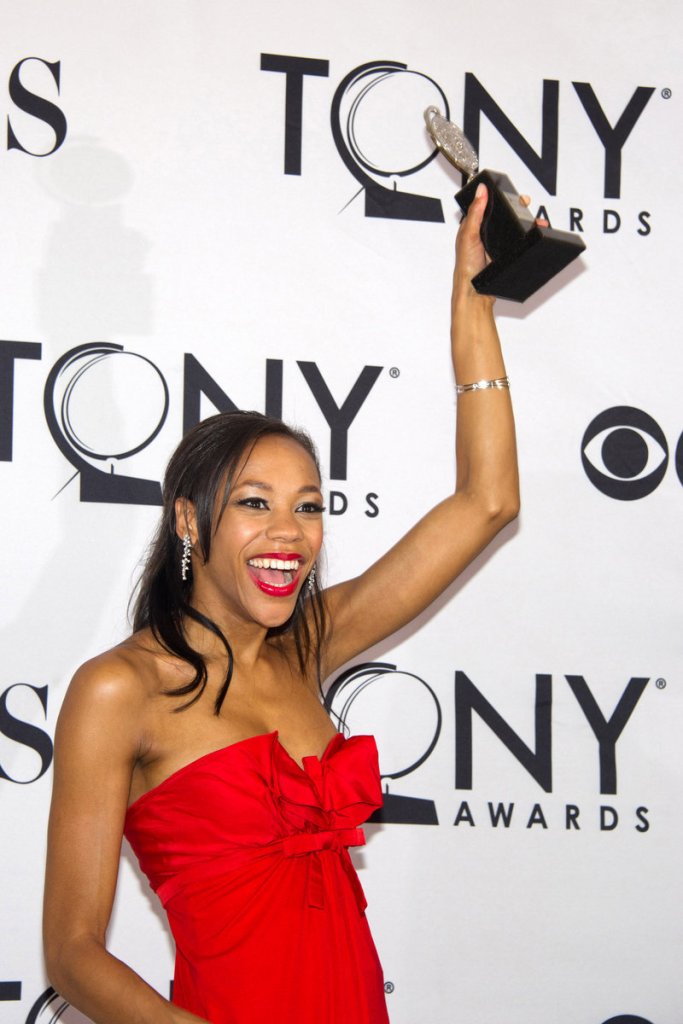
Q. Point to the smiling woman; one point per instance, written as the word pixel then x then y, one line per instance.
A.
pixel 203 737
pixel 233 485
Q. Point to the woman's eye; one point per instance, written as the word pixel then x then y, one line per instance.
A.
pixel 313 507
pixel 253 502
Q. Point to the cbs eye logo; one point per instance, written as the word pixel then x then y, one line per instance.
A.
pixel 625 453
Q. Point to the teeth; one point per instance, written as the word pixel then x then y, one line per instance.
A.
pixel 274 563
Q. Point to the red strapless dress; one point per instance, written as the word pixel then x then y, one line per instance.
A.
pixel 248 852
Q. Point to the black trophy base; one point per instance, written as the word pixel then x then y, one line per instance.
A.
pixel 405 810
pixel 523 255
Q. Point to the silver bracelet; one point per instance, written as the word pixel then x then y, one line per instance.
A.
pixel 483 385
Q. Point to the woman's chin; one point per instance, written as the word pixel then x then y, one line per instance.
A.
pixel 279 617
pixel 274 612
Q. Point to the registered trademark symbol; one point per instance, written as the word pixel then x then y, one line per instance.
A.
pixel 394 372
pixel 666 94
pixel 389 987
pixel 660 683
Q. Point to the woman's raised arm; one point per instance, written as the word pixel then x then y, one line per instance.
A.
pixel 422 564
pixel 98 739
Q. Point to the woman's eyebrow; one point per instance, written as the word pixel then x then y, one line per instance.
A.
pixel 254 483
pixel 262 485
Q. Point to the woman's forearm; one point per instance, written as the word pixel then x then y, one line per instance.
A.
pixel 485 440
pixel 105 989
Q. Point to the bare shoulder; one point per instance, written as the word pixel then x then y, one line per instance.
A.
pixel 112 691
pixel 109 681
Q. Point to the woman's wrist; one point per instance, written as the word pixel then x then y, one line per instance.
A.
pixel 466 298
pixel 474 339
pixel 471 315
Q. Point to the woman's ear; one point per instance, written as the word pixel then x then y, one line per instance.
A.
pixel 185 519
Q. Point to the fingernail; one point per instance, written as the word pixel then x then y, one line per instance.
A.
pixel 480 190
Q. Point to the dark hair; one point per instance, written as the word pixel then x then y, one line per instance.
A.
pixel 204 462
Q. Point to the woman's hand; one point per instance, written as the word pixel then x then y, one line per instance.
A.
pixel 470 255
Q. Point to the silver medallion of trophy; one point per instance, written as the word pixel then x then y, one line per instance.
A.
pixel 524 256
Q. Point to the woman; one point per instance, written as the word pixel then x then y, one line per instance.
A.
pixel 203 735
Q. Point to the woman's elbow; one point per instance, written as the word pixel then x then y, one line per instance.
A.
pixel 497 501
pixel 63 954
pixel 510 511
pixel 502 509
pixel 53 953
pixel 53 970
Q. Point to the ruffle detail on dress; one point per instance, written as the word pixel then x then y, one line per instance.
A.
pixel 339 790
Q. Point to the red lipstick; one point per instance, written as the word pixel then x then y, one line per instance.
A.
pixel 273 581
pixel 284 555
pixel 273 591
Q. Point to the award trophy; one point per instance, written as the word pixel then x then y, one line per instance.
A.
pixel 523 255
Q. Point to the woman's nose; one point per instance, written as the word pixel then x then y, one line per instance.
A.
pixel 283 524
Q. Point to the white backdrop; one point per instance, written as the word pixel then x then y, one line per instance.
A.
pixel 145 205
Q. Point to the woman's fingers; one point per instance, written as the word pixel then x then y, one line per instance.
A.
pixel 469 231
pixel 470 254
pixel 477 208
pixel 541 221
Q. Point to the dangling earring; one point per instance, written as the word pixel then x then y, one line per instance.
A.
pixel 186 561
pixel 311 579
